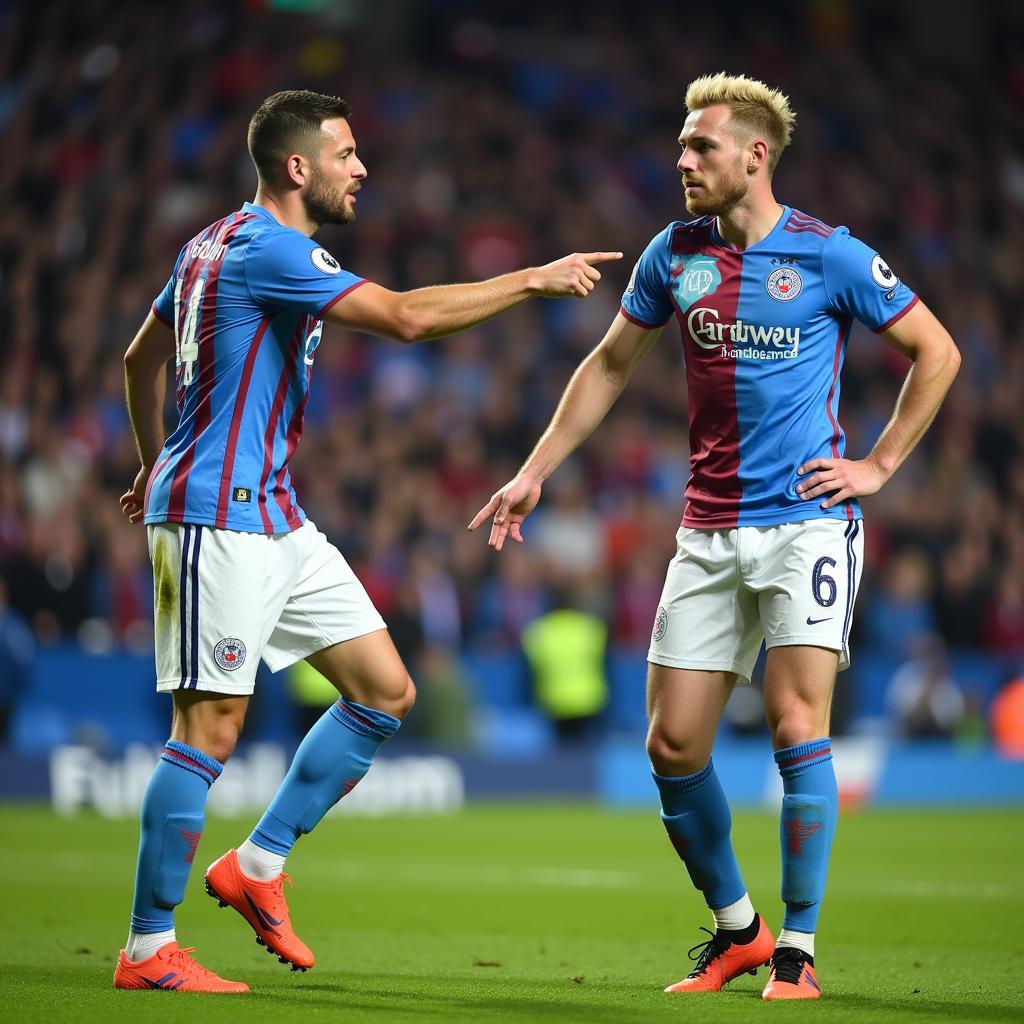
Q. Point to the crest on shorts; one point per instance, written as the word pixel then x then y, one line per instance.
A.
pixel 784 284
pixel 229 653
pixel 660 624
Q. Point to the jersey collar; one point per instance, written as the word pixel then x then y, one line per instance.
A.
pixel 260 211
pixel 717 239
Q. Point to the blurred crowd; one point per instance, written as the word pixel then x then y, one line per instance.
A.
pixel 494 142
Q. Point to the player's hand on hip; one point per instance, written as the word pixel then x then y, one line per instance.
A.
pixel 509 506
pixel 133 502
pixel 840 479
pixel 571 275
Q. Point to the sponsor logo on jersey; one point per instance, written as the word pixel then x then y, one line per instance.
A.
pixel 693 278
pixel 242 494
pixel 882 275
pixel 229 653
pixel 785 261
pixel 208 250
pixel 324 261
pixel 741 340
pixel 784 284
pixel 660 624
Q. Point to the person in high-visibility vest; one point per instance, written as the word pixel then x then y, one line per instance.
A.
pixel 566 651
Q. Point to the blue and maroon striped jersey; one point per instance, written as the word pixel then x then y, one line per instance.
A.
pixel 764 336
pixel 245 301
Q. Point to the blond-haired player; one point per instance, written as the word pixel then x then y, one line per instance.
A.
pixel 770 547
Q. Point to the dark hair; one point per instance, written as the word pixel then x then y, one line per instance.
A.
pixel 289 122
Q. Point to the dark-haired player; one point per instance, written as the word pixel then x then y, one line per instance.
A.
pixel 239 572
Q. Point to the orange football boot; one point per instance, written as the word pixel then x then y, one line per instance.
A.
pixel 719 961
pixel 792 976
pixel 172 969
pixel 263 905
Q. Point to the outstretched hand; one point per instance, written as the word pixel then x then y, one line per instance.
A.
pixel 845 478
pixel 133 502
pixel 571 275
pixel 510 506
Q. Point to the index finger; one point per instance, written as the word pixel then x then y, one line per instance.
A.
pixel 807 467
pixel 601 257
pixel 484 512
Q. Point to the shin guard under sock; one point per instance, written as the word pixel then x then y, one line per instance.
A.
pixel 334 755
pixel 810 807
pixel 172 818
pixel 698 821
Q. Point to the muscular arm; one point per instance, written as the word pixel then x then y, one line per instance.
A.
pixel 145 383
pixel 426 313
pixel 591 392
pixel 923 340
pixel 936 360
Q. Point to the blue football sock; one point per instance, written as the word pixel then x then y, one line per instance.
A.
pixel 810 807
pixel 697 819
pixel 334 755
pixel 173 813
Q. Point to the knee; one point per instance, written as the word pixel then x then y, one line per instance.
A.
pixel 223 738
pixel 798 724
pixel 214 734
pixel 397 697
pixel 405 702
pixel 674 754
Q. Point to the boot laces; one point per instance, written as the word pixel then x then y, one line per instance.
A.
pixel 182 958
pixel 706 952
pixel 788 965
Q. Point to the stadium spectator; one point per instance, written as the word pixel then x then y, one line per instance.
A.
pixel 548 154
pixel 923 697
pixel 566 650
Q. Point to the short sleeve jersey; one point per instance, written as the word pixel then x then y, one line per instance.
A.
pixel 764 335
pixel 245 300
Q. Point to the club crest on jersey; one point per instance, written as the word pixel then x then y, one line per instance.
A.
pixel 229 654
pixel 882 275
pixel 324 261
pixel 784 284
pixel 693 278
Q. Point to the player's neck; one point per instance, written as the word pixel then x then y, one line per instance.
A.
pixel 288 213
pixel 749 222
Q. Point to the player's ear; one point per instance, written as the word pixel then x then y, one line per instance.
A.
pixel 296 169
pixel 758 155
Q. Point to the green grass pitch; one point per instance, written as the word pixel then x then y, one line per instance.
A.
pixel 525 913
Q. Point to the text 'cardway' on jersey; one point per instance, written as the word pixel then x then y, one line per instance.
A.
pixel 764 334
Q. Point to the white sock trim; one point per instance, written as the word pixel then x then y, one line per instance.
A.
pixel 142 945
pixel 796 940
pixel 735 916
pixel 260 864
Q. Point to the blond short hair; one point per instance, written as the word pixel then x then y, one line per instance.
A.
pixel 756 111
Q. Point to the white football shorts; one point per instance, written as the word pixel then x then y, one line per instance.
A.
pixel 728 591
pixel 225 599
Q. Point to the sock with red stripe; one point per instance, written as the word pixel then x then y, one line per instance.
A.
pixel 172 818
pixel 810 808
pixel 334 755
pixel 699 824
